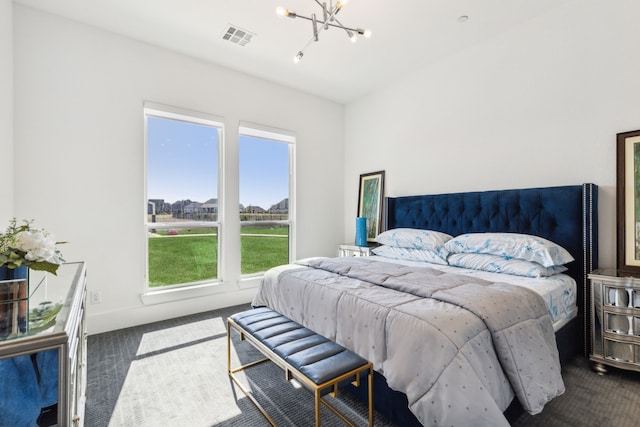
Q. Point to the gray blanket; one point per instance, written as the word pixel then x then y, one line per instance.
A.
pixel 457 346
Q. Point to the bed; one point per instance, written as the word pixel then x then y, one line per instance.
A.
pixel 455 345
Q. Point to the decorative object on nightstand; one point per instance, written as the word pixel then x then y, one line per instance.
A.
pixel 347 250
pixel 361 231
pixel 615 320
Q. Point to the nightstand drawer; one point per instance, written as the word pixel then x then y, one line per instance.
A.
pixel 621 324
pixel 621 297
pixel 621 351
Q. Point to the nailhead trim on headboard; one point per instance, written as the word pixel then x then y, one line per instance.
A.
pixel 589 233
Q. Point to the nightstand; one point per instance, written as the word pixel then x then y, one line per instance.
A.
pixel 348 250
pixel 615 320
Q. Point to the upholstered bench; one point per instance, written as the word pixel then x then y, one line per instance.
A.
pixel 314 361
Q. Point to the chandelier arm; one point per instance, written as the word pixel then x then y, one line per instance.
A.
pixel 331 16
pixel 311 40
pixel 314 24
pixel 346 29
pixel 325 13
pixel 301 51
pixel 308 19
pixel 316 30
pixel 324 5
pixel 322 23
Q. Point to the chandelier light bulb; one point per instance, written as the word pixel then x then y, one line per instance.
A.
pixel 281 11
pixel 298 57
pixel 367 33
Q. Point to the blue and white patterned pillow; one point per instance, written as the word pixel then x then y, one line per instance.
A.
pixel 510 245
pixel 413 238
pixel 409 254
pixel 506 265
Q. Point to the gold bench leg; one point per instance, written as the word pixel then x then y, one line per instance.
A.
pixel 317 399
pixel 228 346
pixel 371 396
pixel 232 375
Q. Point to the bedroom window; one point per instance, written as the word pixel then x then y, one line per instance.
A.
pixel 266 202
pixel 182 176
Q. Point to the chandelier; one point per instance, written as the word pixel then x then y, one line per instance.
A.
pixel 328 19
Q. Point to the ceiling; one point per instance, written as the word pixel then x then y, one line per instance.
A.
pixel 405 34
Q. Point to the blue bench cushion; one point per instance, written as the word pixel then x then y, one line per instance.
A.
pixel 315 356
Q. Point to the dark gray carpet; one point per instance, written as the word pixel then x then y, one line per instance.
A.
pixel 611 400
pixel 173 373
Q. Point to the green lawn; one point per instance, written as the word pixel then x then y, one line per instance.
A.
pixel 261 253
pixel 175 260
pixel 183 258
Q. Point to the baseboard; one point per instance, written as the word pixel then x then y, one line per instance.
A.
pixel 127 317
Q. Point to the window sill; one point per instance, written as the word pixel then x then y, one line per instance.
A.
pixel 250 282
pixel 176 294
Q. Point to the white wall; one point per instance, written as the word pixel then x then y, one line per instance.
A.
pixel 6 111
pixel 537 106
pixel 79 93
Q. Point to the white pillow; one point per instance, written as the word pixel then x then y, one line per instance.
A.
pixel 497 264
pixel 409 254
pixel 413 238
pixel 511 245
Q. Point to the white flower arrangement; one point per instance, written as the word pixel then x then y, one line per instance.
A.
pixel 35 248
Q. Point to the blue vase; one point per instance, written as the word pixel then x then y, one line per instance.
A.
pixel 17 273
pixel 14 301
pixel 361 231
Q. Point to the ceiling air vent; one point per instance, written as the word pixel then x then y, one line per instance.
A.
pixel 237 35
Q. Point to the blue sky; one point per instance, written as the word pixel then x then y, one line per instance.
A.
pixel 264 171
pixel 183 157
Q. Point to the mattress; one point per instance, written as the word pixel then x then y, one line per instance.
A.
pixel 558 291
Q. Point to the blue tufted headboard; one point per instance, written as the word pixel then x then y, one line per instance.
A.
pixel 566 215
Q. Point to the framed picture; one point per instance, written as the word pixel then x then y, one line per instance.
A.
pixel 370 200
pixel 628 201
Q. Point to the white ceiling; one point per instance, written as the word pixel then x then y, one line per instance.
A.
pixel 405 34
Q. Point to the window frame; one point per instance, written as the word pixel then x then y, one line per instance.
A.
pixel 151 109
pixel 281 136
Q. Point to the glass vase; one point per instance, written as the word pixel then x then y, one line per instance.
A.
pixel 14 301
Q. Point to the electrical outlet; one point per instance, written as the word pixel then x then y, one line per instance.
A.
pixel 96 297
